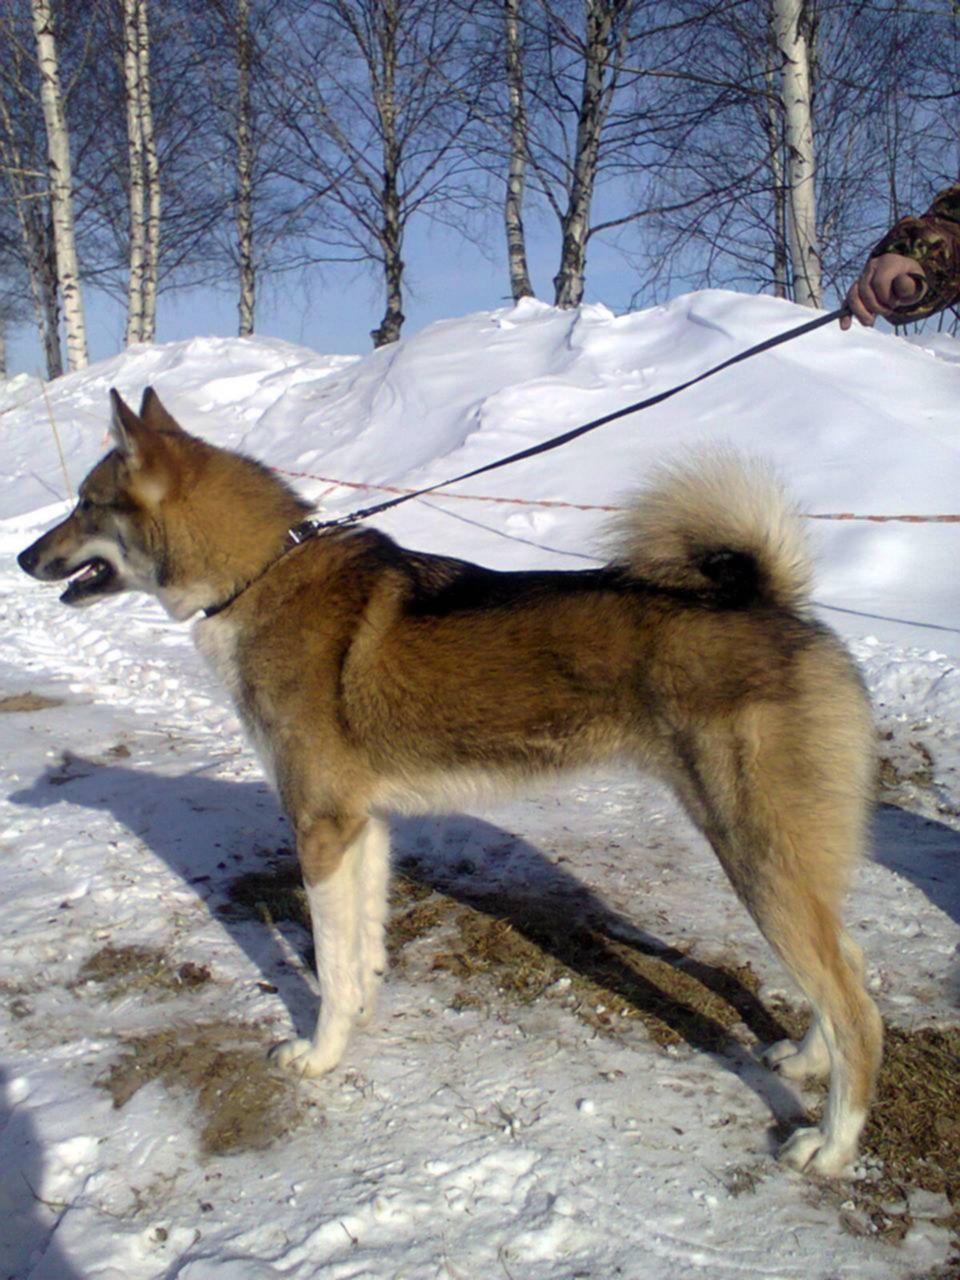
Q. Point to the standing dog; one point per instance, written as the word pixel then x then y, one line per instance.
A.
pixel 372 677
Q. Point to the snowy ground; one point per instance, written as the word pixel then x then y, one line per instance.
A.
pixel 467 1135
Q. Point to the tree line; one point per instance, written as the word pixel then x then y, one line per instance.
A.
pixel 151 145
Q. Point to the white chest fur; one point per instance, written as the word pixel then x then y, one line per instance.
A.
pixel 216 639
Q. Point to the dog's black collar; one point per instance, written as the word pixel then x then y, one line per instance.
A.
pixel 295 535
pixel 212 610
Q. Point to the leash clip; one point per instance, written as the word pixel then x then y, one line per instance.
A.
pixel 312 527
pixel 301 532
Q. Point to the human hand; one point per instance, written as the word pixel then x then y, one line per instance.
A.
pixel 887 282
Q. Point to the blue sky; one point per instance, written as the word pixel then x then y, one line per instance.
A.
pixel 332 310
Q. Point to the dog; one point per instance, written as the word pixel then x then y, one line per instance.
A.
pixel 370 677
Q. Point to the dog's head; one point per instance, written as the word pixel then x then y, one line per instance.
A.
pixel 167 513
pixel 112 541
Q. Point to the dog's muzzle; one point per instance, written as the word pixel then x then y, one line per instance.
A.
pixel 89 580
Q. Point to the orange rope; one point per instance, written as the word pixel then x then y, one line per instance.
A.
pixel 550 503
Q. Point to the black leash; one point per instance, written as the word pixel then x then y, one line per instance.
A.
pixel 311 528
pixel 308 528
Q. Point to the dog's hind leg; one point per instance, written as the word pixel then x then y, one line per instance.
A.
pixel 846 1031
pixel 801 923
pixel 811 1057
pixel 372 869
pixel 782 796
pixel 329 849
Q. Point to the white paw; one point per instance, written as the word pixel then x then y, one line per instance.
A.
pixel 810 1151
pixel 796 1061
pixel 303 1058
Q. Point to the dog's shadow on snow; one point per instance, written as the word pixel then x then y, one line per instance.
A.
pixel 923 851
pixel 212 831
pixel 28 1241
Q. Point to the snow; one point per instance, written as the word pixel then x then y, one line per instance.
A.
pixel 457 1140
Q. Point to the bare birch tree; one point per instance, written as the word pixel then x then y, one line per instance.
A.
pixel 61 184
pixel 790 29
pixel 520 286
pixel 372 117
pixel 378 39
pixel 587 120
pixel 151 162
pixel 144 176
pixel 723 209
pixel 245 169
pixel 136 181
pixel 604 44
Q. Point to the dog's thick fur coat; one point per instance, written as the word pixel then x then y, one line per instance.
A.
pixel 371 677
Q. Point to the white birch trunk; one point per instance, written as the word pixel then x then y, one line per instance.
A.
pixel 596 93
pixel 144 177
pixel 135 193
pixel 151 274
pixel 244 215
pixel 798 133
pixel 520 286
pixel 391 227
pixel 61 184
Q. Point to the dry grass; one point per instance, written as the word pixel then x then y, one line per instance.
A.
pixel 901 764
pixel 244 1105
pixel 28 702
pixel 914 1126
pixel 268 895
pixel 528 951
pixel 119 971
pixel 499 949
pixel 525 950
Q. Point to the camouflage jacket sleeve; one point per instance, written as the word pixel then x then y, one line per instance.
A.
pixel 934 241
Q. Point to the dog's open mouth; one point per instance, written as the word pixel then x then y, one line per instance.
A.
pixel 95 577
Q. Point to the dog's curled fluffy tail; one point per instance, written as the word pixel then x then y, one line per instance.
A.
pixel 719 527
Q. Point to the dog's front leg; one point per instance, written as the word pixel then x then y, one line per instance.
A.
pixel 372 872
pixel 327 849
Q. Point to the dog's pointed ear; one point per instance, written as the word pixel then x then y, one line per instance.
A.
pixel 154 415
pixel 125 427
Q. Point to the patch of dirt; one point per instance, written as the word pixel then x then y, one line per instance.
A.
pixel 907 774
pixel 28 702
pixel 500 949
pixel 118 971
pixel 15 998
pixel 72 768
pixel 527 952
pixel 896 776
pixel 416 911
pixel 244 1104
pixel 914 1125
pixel 743 1180
pixel 521 951
pixel 275 894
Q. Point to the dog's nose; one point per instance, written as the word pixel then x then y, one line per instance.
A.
pixel 27 560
